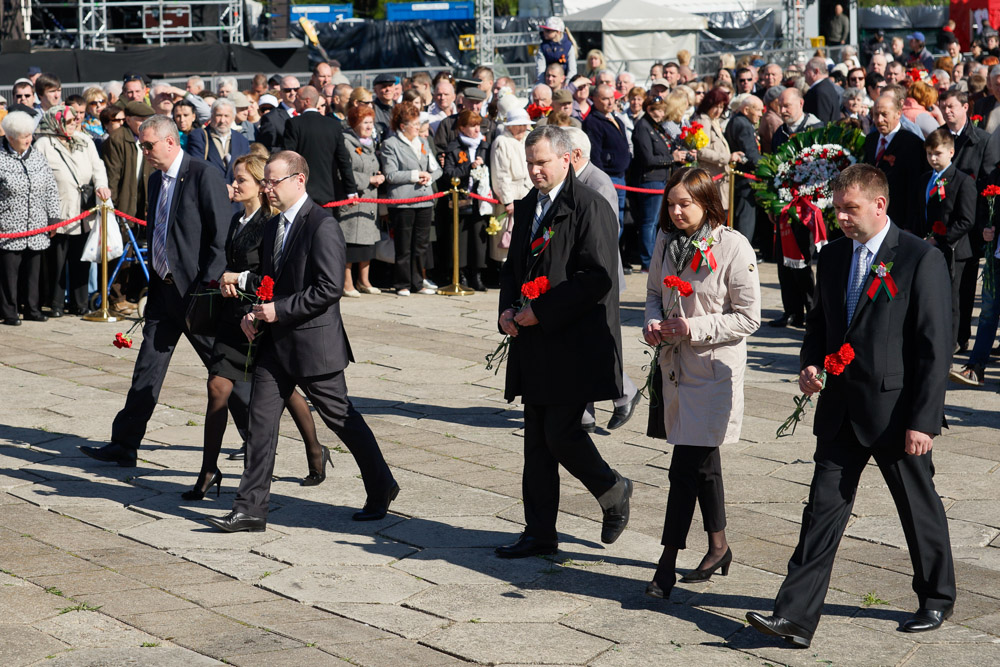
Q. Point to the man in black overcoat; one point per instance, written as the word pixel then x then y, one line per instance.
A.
pixel 302 342
pixel 888 403
pixel 566 344
pixel 898 154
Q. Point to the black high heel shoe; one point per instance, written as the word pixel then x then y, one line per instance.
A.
pixel 657 588
pixel 315 478
pixel 204 486
pixel 696 576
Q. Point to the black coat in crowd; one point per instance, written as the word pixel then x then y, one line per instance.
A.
pixel 320 140
pixel 903 162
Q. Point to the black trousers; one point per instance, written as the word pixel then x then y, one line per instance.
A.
pixel 165 311
pixel 744 213
pixel 797 285
pixel 411 234
pixel 968 277
pixel 19 276
pixel 471 242
pixel 695 474
pixel 958 270
pixel 67 274
pixel 839 464
pixel 552 436
pixel 328 393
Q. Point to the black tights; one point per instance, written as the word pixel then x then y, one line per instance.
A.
pixel 217 418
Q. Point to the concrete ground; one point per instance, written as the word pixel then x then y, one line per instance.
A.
pixel 108 566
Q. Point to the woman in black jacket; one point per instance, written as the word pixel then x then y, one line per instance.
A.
pixel 654 156
pixel 231 362
pixel 466 157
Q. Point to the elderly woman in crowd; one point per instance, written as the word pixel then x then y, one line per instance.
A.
pixel 716 155
pixel 358 222
pixel 635 98
pixel 410 171
pixel 509 176
pixel 82 181
pixel 462 158
pixel 920 106
pixel 855 106
pixel 29 200
pixel 703 362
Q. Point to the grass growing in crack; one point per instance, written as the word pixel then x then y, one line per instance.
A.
pixel 83 606
pixel 265 574
pixel 338 449
pixel 54 591
pixel 149 644
pixel 191 422
pixel 871 599
pixel 475 620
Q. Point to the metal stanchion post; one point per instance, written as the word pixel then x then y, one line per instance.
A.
pixel 456 288
pixel 103 315
pixel 732 192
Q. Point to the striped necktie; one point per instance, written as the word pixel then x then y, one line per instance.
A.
pixel 858 281
pixel 540 208
pixel 160 263
pixel 279 241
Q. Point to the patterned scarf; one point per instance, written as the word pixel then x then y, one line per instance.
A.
pixel 681 247
pixel 53 124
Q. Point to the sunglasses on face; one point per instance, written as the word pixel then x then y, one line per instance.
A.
pixel 744 80
pixel 22 96
pixel 289 90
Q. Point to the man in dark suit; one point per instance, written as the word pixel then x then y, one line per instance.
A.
pixel 320 140
pixel 610 150
pixel 303 343
pixel 272 125
pixel 888 403
pixel 562 231
pixel 898 154
pixel 949 199
pixel 741 133
pixel 187 222
pixel 823 97
pixel 218 145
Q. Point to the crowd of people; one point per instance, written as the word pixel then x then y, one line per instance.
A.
pixel 233 185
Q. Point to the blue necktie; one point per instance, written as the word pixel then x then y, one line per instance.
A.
pixel 160 263
pixel 930 186
pixel 540 208
pixel 860 273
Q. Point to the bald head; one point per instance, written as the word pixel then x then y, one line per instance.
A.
pixel 790 105
pixel 307 98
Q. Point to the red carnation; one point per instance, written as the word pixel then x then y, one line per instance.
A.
pixel 121 340
pixel 682 286
pixel 266 290
pixel 533 289
pixel 833 365
pixel 213 284
pixel 846 353
pixel 939 228
pixel 991 191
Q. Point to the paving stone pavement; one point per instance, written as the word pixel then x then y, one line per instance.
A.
pixel 108 566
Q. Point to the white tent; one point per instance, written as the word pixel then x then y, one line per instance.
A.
pixel 639 33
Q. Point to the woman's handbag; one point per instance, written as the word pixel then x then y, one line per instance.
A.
pixel 385 249
pixel 654 426
pixel 203 313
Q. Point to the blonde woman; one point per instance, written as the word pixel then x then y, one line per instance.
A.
pixel 596 61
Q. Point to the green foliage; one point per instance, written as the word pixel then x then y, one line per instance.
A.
pixel 83 606
pixel 871 598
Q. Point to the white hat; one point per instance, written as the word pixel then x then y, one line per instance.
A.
pixel 508 103
pixel 268 99
pixel 554 23
pixel 518 117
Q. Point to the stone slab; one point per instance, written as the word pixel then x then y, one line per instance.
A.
pixel 493 643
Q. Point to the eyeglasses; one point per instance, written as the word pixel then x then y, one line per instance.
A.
pixel 118 120
pixel 22 96
pixel 744 80
pixel 96 101
pixel 289 90
pixel 271 183
pixel 147 146
pixel 368 102
pixel 133 77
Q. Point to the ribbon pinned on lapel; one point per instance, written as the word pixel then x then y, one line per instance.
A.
pixel 704 252
pixel 883 282
pixel 542 242
pixel 809 215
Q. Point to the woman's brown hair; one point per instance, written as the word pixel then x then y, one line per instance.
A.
pixel 403 113
pixel 254 164
pixel 357 114
pixel 702 190
pixel 468 118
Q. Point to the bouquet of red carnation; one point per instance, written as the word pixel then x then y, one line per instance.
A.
pixel 938 229
pixel 530 291
pixel 124 340
pixel 976 119
pixel 989 280
pixel 833 364
pixel 264 294
pixel 678 288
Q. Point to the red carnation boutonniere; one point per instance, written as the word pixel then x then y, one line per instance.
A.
pixel 883 282
pixel 265 293
pixel 938 190
pixel 463 157
pixel 833 364
pixel 976 119
pixel 704 252
pixel 539 245
pixel 678 288
pixel 359 150
pixel 891 159
pixel 530 291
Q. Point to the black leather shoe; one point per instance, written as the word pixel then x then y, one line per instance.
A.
pixel 627 270
pixel 12 321
pixel 781 627
pixel 614 502
pixel 235 522
pixel 623 413
pixel 779 323
pixel 112 453
pixel 240 454
pixel 589 427
pixel 56 312
pixel 925 620
pixel 476 282
pixel 527 546
pixel 377 508
pixel 797 321
pixel 37 317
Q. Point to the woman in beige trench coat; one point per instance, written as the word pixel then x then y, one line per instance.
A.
pixel 703 361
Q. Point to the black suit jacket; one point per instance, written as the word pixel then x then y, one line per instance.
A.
pixel 977 153
pixel 574 354
pixel 903 347
pixel 320 140
pixel 197 223
pixel 957 211
pixel 984 106
pixel 902 163
pixel 309 339
pixel 272 128
pixel 741 136
pixel 196 146
pixel 823 101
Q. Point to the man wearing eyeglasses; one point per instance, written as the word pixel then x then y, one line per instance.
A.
pixel 302 342
pixel 272 125
pixel 187 222
pixel 24 93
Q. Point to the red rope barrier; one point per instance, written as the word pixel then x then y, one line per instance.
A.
pixel 130 218
pixel 50 228
pixel 485 199
pixel 645 191
pixel 390 202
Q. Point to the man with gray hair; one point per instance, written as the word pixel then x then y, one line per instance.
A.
pixel 770 76
pixel 227 86
pixel 771 120
pixel 541 102
pixel 217 144
pixel 624 83
pixel 598 181
pixel 609 139
pixel 195 85
pixel 823 98
pixel 564 232
pixel 187 222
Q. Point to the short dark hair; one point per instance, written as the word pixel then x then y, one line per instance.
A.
pixel 961 96
pixel 559 140
pixel 938 138
pixel 872 79
pixel 296 163
pixel 717 95
pixel 702 189
pixel 46 81
pixel 869 179
pixel 75 99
